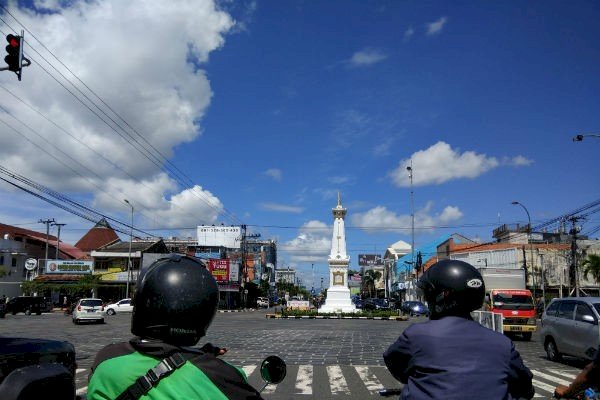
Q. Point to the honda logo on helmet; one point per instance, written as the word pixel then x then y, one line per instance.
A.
pixel 474 283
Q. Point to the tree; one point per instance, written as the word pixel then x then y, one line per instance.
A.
pixel 591 266
pixel 370 277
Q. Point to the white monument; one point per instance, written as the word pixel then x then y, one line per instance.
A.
pixel 338 294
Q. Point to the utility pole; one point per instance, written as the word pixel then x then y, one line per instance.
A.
pixel 58 238
pixel 47 222
pixel 573 273
pixel 243 263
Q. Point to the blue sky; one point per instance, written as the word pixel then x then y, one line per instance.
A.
pixel 269 108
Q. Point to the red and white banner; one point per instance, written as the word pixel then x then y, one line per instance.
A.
pixel 219 270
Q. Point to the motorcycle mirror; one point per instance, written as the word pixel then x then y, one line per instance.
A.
pixel 273 369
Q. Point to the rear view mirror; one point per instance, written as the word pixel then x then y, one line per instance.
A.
pixel 589 319
pixel 273 369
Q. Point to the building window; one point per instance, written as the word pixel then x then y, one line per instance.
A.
pixel 1 260
pixel 13 262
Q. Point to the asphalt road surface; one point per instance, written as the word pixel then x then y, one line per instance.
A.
pixel 327 359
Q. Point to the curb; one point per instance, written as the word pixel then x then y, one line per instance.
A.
pixel 244 310
pixel 279 316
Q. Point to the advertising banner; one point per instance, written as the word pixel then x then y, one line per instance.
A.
pixel 219 236
pixel 234 272
pixel 366 260
pixel 219 270
pixel 69 267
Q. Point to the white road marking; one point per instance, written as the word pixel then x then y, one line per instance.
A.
pixel 304 379
pixel 563 373
pixel 369 379
pixel 249 369
pixel 551 378
pixel 543 386
pixel 337 382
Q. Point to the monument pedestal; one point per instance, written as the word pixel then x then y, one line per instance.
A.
pixel 338 300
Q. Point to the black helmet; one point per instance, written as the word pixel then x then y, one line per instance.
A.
pixel 176 300
pixel 452 287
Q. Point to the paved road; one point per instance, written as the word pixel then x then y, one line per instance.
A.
pixel 327 359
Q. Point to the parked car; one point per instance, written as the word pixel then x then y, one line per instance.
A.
pixel 414 308
pixel 376 304
pixel 570 326
pixel 119 307
pixel 26 304
pixel 262 302
pixel 274 300
pixel 88 310
pixel 359 304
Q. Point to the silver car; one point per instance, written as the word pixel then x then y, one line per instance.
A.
pixel 570 326
pixel 88 310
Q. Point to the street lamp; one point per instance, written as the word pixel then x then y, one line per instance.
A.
pixel 579 138
pixel 129 254
pixel 412 214
pixel 530 244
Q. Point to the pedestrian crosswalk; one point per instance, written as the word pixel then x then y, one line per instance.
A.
pixel 360 381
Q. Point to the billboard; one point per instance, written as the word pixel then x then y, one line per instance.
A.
pixel 219 270
pixel 219 236
pixel 367 260
pixel 69 267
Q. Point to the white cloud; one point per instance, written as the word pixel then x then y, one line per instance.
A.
pixel 436 27
pixel 380 217
pixel 517 161
pixel 281 208
pixel 367 57
pixel 384 147
pixel 440 163
pixel 312 244
pixel 152 77
pixel 275 173
pixel 408 33
pixel 188 208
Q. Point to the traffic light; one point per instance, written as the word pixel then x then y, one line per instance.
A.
pixel 14 58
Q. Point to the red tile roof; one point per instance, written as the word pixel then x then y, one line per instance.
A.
pixel 99 236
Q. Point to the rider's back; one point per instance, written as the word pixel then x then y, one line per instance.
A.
pixel 455 357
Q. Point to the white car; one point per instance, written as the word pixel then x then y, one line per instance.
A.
pixel 88 310
pixel 120 306
pixel 262 302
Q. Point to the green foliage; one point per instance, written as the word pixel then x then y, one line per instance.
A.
pixel 591 266
pixel 370 277
pixel 3 271
pixel 81 288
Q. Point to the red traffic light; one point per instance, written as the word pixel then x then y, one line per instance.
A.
pixel 13 41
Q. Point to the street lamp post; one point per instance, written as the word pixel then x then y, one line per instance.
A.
pixel 412 215
pixel 129 254
pixel 530 245
pixel 579 138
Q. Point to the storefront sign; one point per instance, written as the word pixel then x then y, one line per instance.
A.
pixel 69 267
pixel 219 270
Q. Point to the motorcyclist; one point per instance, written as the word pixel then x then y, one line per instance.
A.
pixel 175 303
pixel 451 356
pixel 589 376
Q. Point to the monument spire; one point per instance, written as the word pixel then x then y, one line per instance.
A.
pixel 338 294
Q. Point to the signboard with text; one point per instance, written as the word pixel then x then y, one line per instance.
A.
pixel 366 260
pixel 219 236
pixel 69 267
pixel 219 270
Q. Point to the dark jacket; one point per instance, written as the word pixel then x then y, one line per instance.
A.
pixel 456 358
pixel 203 376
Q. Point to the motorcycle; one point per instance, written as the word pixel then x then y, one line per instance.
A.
pixel 35 367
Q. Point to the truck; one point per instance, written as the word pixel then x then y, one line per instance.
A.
pixel 507 294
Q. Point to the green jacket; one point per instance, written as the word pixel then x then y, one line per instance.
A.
pixel 203 376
